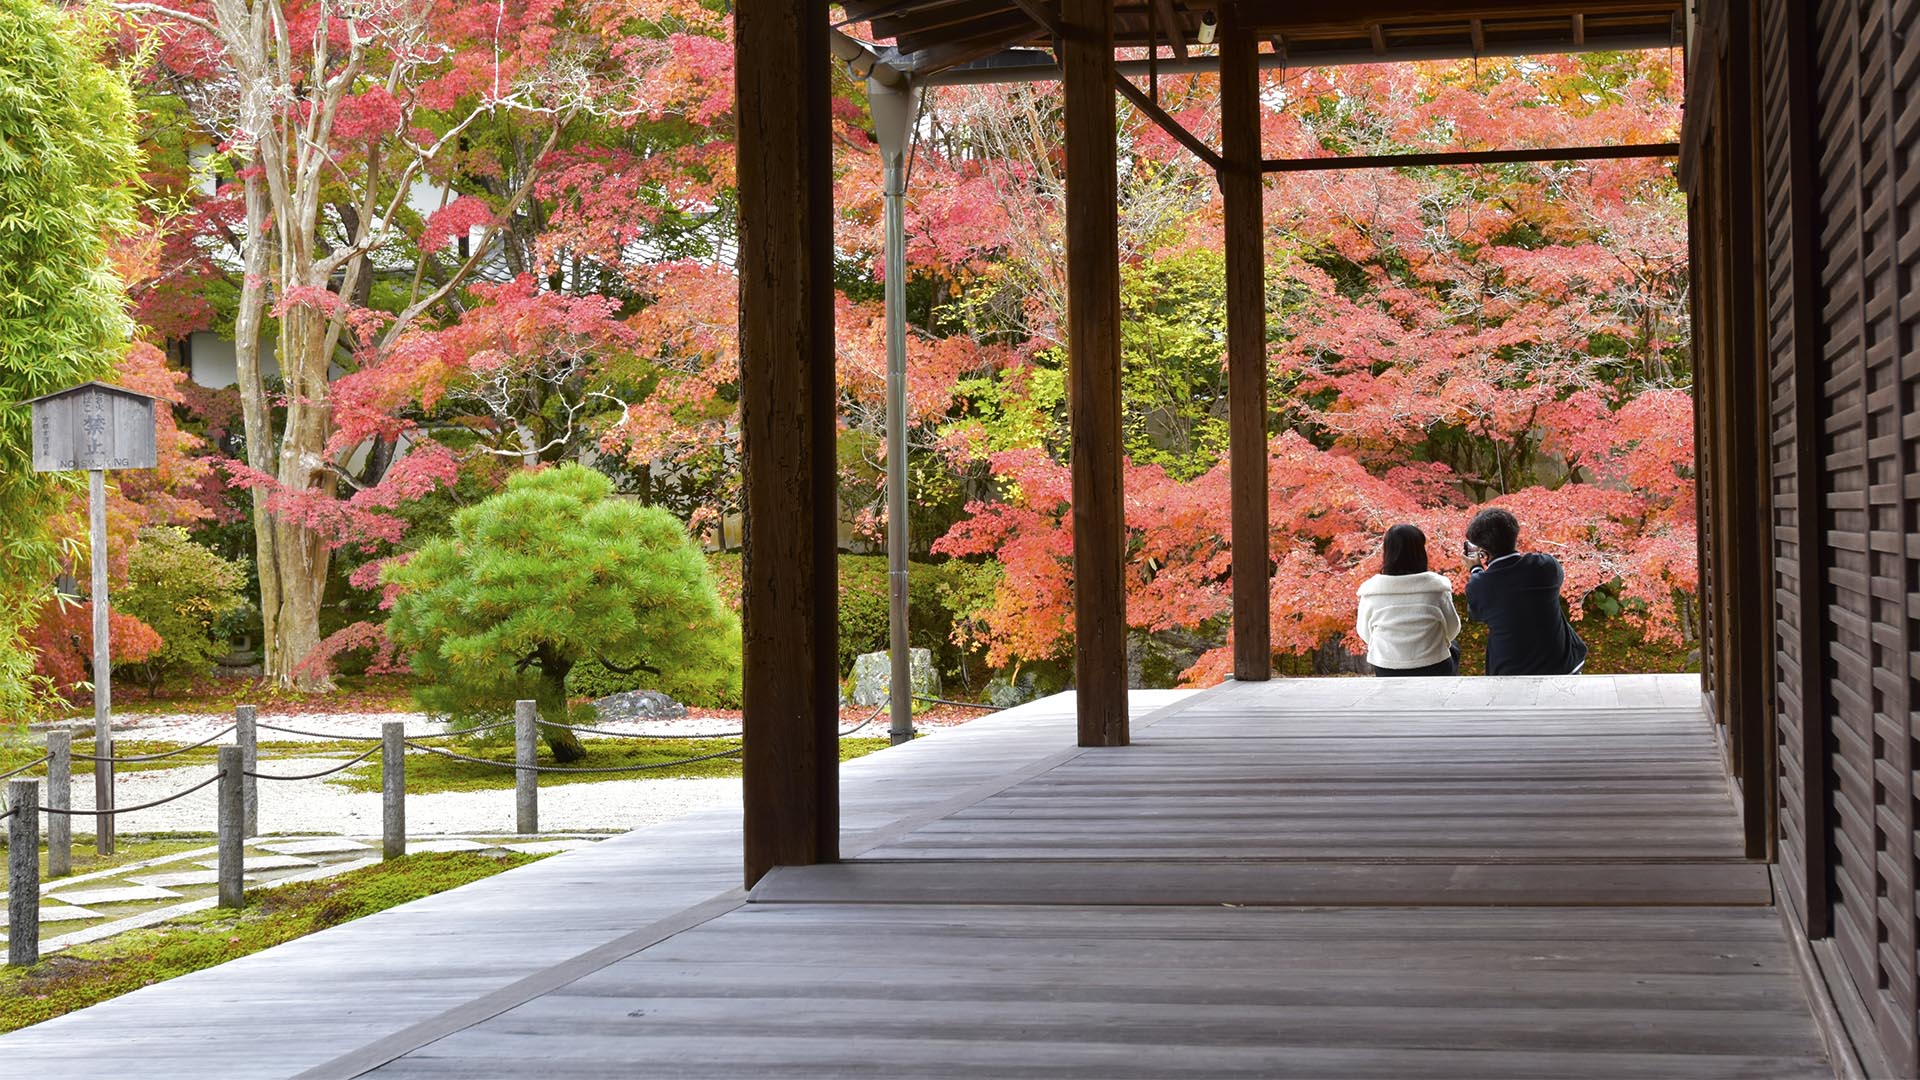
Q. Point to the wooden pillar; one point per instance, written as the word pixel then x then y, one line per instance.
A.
pixel 1093 361
pixel 1243 223
pixel 1745 505
pixel 790 581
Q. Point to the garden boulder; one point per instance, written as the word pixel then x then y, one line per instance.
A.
pixel 873 675
pixel 639 705
pixel 1007 691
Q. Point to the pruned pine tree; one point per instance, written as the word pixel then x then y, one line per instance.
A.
pixel 546 574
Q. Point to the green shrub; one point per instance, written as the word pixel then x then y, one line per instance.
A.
pixel 186 593
pixel 550 573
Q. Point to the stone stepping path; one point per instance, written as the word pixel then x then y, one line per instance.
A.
pixel 549 847
pixel 65 913
pixel 262 862
pixel 185 878
pixel 115 894
pixel 103 903
pixel 444 845
pixel 323 845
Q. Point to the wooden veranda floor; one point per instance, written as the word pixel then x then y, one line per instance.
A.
pixel 1474 877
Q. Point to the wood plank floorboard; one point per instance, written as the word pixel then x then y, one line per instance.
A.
pixel 288 1009
pixel 1319 878
pixel 1133 882
pixel 1368 769
pixel 969 990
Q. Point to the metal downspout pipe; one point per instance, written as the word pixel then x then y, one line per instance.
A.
pixel 894 109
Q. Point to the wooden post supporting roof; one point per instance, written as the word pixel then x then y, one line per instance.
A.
pixel 1733 386
pixel 790 579
pixel 1243 226
pixel 1093 361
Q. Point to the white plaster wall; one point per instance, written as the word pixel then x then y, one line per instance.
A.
pixel 213 360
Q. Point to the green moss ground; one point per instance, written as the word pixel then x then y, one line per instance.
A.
pixel 89 974
pixel 430 773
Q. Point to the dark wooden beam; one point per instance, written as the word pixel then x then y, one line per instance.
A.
pixel 1005 28
pixel 1477 33
pixel 1355 16
pixel 1167 123
pixel 1379 38
pixel 1472 157
pixel 790 685
pixel 1045 17
pixel 1745 504
pixel 1176 35
pixel 1244 227
pixel 1579 28
pixel 1093 362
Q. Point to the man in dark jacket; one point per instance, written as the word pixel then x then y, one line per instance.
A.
pixel 1518 597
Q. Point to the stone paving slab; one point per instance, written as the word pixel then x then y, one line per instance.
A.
pixel 445 845
pixel 122 894
pixel 186 877
pixel 324 845
pixel 65 913
pixel 263 862
pixel 549 847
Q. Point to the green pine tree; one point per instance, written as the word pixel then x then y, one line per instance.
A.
pixel 550 572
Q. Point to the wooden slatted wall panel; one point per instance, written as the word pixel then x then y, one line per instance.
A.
pixel 1863 531
pixel 1895 446
pixel 1802 863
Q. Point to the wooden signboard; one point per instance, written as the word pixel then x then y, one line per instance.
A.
pixel 96 427
pixel 93 426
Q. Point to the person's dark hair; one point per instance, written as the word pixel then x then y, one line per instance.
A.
pixel 1404 552
pixel 1494 531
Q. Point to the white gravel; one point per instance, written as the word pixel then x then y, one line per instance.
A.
pixel 316 806
pixel 192 727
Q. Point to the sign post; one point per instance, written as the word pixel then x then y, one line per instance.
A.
pixel 103 833
pixel 96 427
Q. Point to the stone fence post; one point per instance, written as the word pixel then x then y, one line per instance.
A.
pixel 393 789
pixel 23 873
pixel 526 782
pixel 59 797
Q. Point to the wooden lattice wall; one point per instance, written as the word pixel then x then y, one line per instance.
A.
pixel 1834 256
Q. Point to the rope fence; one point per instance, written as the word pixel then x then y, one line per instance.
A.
pixel 236 801
pixel 343 737
pixel 112 810
pixel 344 766
pixel 962 704
pixel 635 734
pixel 221 734
pixel 34 764
pixel 572 768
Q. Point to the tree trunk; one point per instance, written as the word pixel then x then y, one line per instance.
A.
pixel 257 422
pixel 552 697
pixel 300 555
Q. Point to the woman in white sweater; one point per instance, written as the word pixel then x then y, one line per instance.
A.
pixel 1407 617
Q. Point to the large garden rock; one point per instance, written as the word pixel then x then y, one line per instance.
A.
pixel 1007 692
pixel 639 705
pixel 873 674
